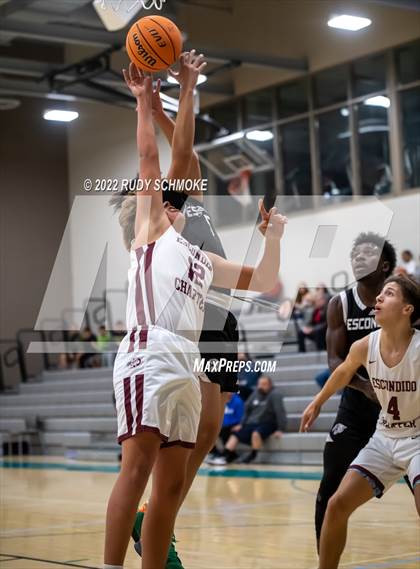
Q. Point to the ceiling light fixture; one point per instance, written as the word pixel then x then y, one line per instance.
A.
pixel 201 79
pixel 378 101
pixel 60 115
pixel 259 135
pixel 347 22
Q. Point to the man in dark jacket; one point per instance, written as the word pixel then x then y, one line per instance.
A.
pixel 264 416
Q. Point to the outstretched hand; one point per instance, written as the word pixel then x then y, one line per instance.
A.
pixel 140 84
pixel 190 67
pixel 272 223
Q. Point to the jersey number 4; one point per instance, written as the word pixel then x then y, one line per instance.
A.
pixel 393 408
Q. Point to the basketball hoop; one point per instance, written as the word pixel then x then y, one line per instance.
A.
pixel 239 188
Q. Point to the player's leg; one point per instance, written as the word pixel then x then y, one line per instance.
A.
pixel 342 447
pixel 211 419
pixel 353 491
pixel 138 457
pixel 169 478
pixel 417 496
pixel 413 470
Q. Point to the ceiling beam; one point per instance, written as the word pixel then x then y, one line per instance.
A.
pixel 400 4
pixel 110 78
pixel 69 34
pixel 78 92
pixel 11 7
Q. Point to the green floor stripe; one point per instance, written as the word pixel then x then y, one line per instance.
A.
pixel 212 472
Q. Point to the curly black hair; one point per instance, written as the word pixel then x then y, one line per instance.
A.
pixel 388 250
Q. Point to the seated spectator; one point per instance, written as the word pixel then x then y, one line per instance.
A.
pixel 408 264
pixel 264 416
pixel 321 378
pixel 117 335
pixel 317 327
pixel 272 295
pixel 303 303
pixel 68 359
pixel 234 411
pixel 247 378
pixel 87 339
pixel 103 345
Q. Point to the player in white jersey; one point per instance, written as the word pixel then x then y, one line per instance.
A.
pixel 157 393
pixel 391 356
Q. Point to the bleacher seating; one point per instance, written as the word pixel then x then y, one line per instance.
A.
pixel 75 415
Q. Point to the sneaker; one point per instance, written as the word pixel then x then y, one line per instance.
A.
pixel 173 561
pixel 248 458
pixel 217 461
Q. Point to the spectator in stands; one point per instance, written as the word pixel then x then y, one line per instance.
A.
pixel 264 416
pixel 117 335
pixel 408 264
pixel 317 327
pixel 321 378
pixel 234 411
pixel 119 331
pixel 247 377
pixel 87 339
pixel 68 360
pixel 303 303
pixel 273 296
pixel 103 345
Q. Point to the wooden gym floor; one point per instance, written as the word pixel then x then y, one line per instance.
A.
pixel 53 511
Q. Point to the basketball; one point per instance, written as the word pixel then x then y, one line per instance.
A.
pixel 154 43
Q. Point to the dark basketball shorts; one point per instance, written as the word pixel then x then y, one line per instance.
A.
pixel 228 339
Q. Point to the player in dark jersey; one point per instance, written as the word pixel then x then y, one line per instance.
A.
pixel 219 326
pixel 350 317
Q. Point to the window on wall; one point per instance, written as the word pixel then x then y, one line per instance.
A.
pixel 373 133
pixel 295 150
pixel 334 149
pixel 292 98
pixel 408 62
pixel 369 75
pixel 226 116
pixel 258 108
pixel 330 86
pixel 410 109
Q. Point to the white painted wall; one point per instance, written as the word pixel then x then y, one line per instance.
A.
pixel 396 218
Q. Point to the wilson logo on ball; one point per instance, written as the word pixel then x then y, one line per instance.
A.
pixel 143 52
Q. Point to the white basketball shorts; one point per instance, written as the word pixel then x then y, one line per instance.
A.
pixel 384 460
pixel 155 387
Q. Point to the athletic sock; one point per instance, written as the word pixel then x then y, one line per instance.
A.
pixel 113 566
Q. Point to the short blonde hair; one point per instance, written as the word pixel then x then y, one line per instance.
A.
pixel 126 205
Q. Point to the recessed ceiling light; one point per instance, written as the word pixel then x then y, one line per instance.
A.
pixel 346 22
pixel 260 135
pixel 344 112
pixel 378 101
pixel 60 115
pixel 201 79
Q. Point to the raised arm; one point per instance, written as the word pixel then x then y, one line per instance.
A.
pixel 263 276
pixel 149 202
pixel 167 126
pixel 190 67
pixel 338 380
pixel 337 346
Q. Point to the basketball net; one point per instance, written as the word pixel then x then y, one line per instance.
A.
pixel 239 188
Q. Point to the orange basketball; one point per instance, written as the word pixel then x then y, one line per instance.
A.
pixel 154 43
